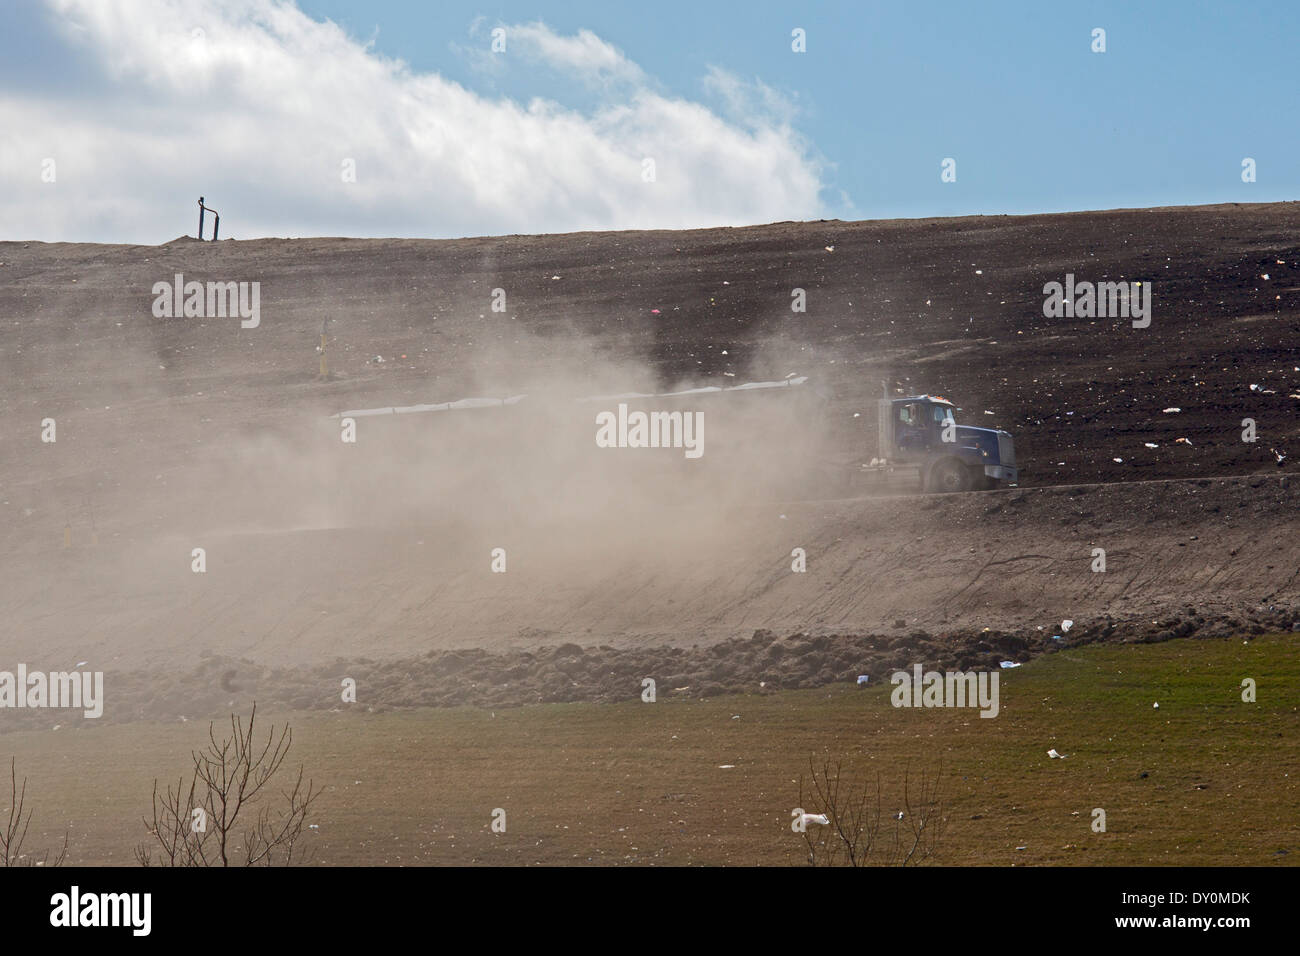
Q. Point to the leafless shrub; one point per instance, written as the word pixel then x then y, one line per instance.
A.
pixel 15 830
pixel 860 832
pixel 223 817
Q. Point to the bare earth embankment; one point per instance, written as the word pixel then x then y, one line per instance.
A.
pixel 375 560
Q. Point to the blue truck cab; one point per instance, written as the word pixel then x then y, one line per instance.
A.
pixel 920 432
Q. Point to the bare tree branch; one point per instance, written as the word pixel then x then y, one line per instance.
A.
pixel 15 830
pixel 855 834
pixel 226 796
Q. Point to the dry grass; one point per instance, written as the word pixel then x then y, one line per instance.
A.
pixel 641 783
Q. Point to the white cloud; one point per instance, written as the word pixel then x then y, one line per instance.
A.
pixel 584 54
pixel 256 106
pixel 751 104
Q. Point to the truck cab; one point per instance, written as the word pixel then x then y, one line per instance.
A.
pixel 920 432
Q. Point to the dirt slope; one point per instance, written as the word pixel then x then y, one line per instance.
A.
pixel 1012 560
pixel 175 434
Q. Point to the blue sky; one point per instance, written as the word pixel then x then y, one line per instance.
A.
pixel 742 129
pixel 1013 91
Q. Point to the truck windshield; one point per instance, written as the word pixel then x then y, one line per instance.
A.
pixel 942 414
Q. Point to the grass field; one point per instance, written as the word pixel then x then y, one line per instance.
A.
pixel 1204 779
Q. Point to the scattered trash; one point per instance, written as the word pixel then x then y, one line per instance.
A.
pixel 1156 706
pixel 898 815
pixel 830 248
pixel 554 278
pixel 862 679
pixel 1280 457
pixel 726 766
pixel 1118 461
pixel 1182 441
pixel 654 312
pixel 735 716
pixel 1055 756
pixel 1264 275
pixel 1150 444
pixel 808 818
pixel 1007 664
pixel 1066 624
pixel 1170 411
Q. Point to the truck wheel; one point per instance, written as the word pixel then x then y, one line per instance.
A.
pixel 949 475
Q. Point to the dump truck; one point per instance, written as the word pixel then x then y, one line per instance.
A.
pixel 558 439
pixel 919 438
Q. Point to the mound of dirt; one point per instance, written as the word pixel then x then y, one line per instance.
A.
pixel 199 499
pixel 761 664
